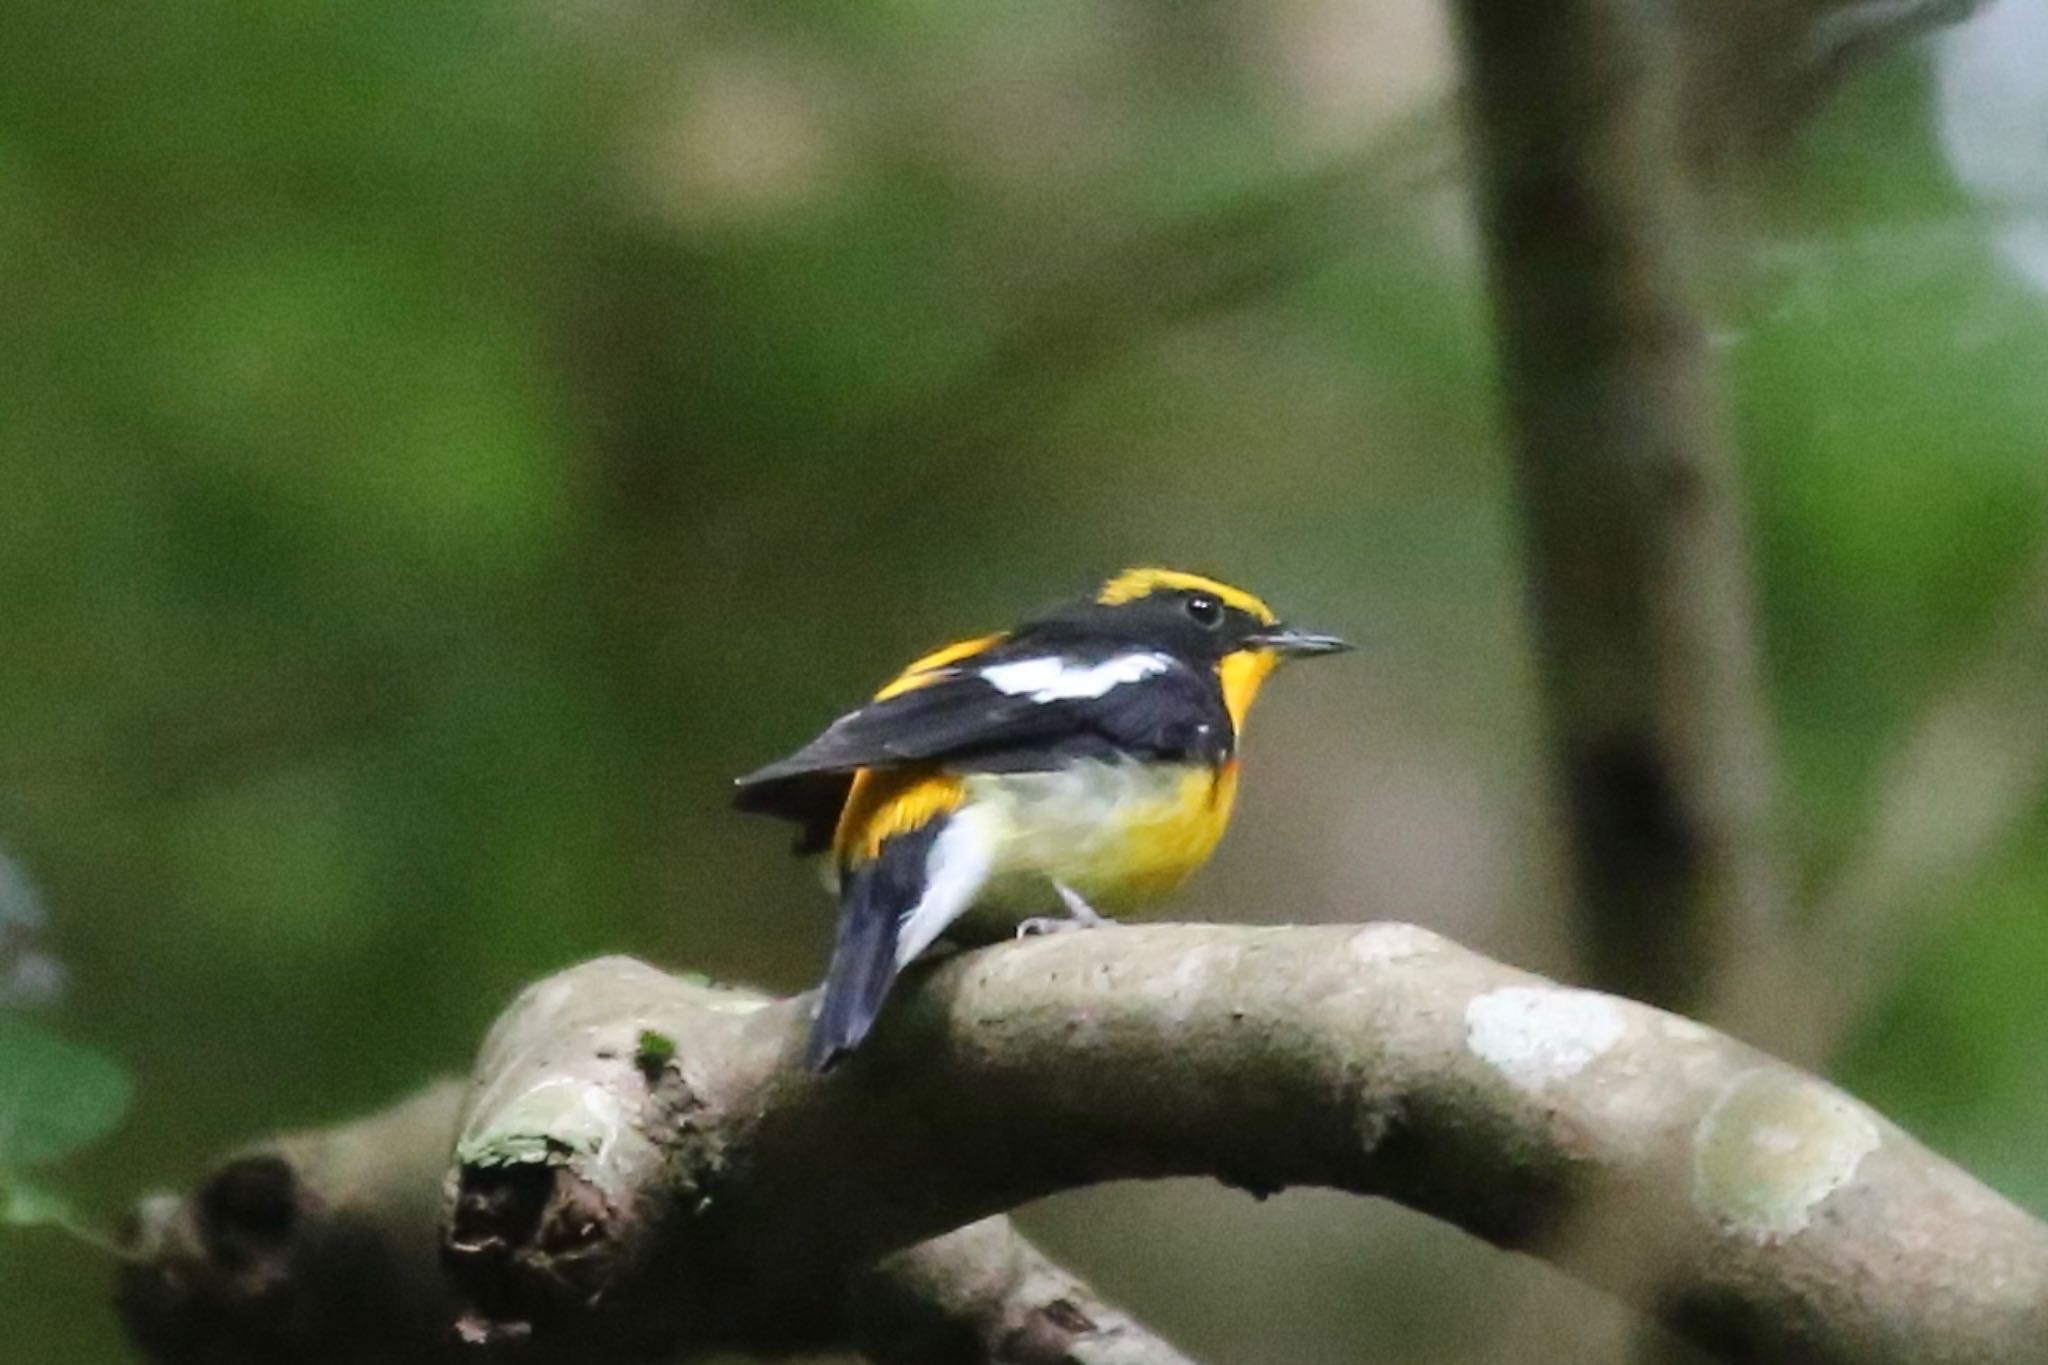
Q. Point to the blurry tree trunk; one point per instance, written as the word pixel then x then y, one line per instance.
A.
pixel 1637 566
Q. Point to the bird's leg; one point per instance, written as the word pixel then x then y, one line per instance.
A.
pixel 1080 915
pixel 1080 911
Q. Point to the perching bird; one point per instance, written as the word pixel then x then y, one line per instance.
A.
pixel 1085 761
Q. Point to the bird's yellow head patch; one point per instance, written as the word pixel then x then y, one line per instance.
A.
pixel 1132 584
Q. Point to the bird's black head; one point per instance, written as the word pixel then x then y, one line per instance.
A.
pixel 1198 619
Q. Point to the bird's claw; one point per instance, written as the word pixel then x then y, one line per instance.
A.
pixel 1080 915
pixel 1049 924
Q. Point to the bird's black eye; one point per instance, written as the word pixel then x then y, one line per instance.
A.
pixel 1206 610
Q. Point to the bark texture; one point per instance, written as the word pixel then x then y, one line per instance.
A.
pixel 643 1169
pixel 324 1248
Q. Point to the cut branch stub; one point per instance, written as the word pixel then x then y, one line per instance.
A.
pixel 316 1248
pixel 580 1140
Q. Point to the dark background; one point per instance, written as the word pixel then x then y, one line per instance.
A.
pixel 441 444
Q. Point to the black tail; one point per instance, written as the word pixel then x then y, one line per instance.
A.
pixel 873 899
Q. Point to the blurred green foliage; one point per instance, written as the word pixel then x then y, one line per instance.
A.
pixel 442 443
pixel 55 1097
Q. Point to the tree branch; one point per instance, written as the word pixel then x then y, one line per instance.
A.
pixel 644 1168
pixel 1755 71
pixel 983 1293
pixel 323 1248
pixel 612 1191
pixel 314 1247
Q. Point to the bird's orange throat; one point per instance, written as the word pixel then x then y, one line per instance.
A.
pixel 1242 675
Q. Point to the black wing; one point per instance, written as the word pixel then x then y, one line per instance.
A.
pixel 964 723
pixel 812 800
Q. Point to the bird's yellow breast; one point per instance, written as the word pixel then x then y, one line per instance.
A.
pixel 1121 833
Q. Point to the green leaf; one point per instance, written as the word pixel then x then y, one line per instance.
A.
pixel 29 1204
pixel 55 1096
pixel 25 1205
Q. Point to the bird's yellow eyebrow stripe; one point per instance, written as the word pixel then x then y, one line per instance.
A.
pixel 1132 584
pixel 932 666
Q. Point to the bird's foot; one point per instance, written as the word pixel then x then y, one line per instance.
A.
pixel 1080 915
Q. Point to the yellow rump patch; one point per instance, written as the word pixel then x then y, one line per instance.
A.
pixel 932 666
pixel 1132 584
pixel 884 802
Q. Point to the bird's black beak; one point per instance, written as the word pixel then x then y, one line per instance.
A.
pixel 1292 643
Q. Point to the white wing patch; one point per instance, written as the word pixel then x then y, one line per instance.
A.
pixel 1055 679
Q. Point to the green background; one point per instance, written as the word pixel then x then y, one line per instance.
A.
pixel 441 444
